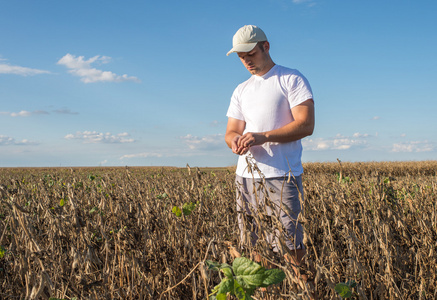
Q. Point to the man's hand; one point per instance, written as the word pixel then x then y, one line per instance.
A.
pixel 238 142
pixel 251 139
pixel 233 134
pixel 236 147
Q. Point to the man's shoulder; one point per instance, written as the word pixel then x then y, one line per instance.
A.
pixel 244 83
pixel 281 70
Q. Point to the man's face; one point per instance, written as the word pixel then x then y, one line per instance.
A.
pixel 256 60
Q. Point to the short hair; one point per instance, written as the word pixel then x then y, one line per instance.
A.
pixel 261 45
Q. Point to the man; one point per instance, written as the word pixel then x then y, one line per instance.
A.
pixel 268 116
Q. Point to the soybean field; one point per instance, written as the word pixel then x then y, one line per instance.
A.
pixel 370 230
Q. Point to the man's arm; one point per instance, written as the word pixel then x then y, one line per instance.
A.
pixel 234 130
pixel 302 126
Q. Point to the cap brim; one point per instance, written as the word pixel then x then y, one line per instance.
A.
pixel 242 48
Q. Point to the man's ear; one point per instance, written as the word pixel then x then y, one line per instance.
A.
pixel 266 46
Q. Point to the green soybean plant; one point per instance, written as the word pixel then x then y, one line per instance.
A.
pixel 3 251
pixel 345 289
pixel 187 209
pixel 242 278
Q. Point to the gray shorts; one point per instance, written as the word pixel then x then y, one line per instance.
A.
pixel 272 201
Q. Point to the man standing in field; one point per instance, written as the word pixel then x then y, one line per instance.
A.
pixel 268 116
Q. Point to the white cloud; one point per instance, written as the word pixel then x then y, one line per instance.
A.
pixel 25 142
pixel 415 146
pixel 194 146
pixel 214 123
pixel 360 135
pixel 25 113
pixel 339 142
pixel 209 142
pixel 82 68
pixel 18 70
pixel 376 118
pixel 93 137
pixel 6 140
pixel 65 111
pixel 142 155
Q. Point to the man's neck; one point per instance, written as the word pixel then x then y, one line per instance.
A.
pixel 268 67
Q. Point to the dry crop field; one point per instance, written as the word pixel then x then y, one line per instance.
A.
pixel 113 233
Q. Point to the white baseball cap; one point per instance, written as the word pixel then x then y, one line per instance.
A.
pixel 246 39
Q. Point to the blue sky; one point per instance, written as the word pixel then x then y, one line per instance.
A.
pixel 148 83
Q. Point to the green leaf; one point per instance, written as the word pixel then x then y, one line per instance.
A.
pixel 343 290
pixel 244 266
pixel 2 251
pixel 351 283
pixel 226 286
pixel 273 276
pixel 242 278
pixel 221 297
pixel 212 265
pixel 225 266
pixel 249 294
pixel 177 211
pixel 227 271
pixel 249 282
pixel 249 274
pixel 62 202
pixel 239 291
pixel 187 208
pixel 162 196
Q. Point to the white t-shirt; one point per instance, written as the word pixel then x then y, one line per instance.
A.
pixel 265 103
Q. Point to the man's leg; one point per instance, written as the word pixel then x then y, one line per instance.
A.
pixel 285 204
pixel 246 208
